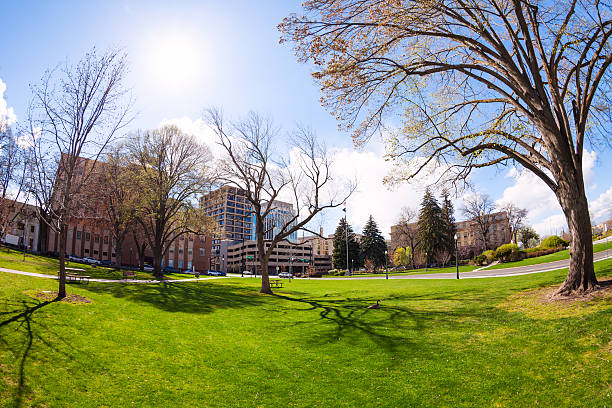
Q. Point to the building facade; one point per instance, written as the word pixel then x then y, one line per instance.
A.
pixel 21 225
pixel 286 257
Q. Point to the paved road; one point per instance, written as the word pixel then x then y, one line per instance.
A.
pixel 481 273
pixel 492 273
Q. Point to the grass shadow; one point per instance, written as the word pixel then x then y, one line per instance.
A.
pixel 187 297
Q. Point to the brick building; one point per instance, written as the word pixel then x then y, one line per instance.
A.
pixel 90 233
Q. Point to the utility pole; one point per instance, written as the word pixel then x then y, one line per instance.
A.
pixel 346 238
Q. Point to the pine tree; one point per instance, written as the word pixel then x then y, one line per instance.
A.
pixel 373 245
pixel 431 227
pixel 339 254
pixel 449 226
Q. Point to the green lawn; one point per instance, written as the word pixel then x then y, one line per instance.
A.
pixel 12 259
pixel 421 271
pixel 557 256
pixel 472 342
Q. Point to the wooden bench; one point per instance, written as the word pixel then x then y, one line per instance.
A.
pixel 276 283
pixel 128 274
pixel 71 277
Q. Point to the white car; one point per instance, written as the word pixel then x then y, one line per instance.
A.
pixel 147 268
pixel 91 261
pixel 285 275
pixel 247 272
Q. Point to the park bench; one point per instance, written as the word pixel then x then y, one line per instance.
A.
pixel 71 277
pixel 128 274
pixel 276 283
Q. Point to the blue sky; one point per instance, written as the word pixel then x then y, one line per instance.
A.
pixel 228 55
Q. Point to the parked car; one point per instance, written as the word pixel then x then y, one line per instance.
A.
pixel 91 261
pixel 107 262
pixel 74 258
pixel 285 275
pixel 247 272
pixel 147 268
pixel 169 269
pixel 216 273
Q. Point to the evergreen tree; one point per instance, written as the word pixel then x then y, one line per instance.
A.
pixel 339 254
pixel 431 227
pixel 373 245
pixel 449 226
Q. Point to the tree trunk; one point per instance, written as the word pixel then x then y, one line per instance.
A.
pixel 581 275
pixel 118 248
pixel 265 278
pixel 61 292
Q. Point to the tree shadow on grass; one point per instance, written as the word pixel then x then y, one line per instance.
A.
pixel 187 297
pixel 21 331
pixel 389 327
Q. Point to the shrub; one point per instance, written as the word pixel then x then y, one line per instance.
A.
pixel 554 241
pixel 539 251
pixel 490 256
pixel 480 259
pixel 507 252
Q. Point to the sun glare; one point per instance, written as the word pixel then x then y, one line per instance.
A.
pixel 174 60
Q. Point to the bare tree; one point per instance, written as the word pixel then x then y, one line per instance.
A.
pixel 515 216
pixel 13 167
pixel 119 195
pixel 251 165
pixel 481 84
pixel 478 209
pixel 75 113
pixel 406 231
pixel 171 169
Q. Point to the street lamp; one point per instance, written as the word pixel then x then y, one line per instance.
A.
pixel 456 256
pixel 386 269
pixel 426 265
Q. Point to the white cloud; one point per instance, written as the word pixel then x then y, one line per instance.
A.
pixel 601 208
pixel 531 193
pixel 7 115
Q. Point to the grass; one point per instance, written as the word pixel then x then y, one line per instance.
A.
pixel 220 343
pixel 12 259
pixel 420 271
pixel 557 256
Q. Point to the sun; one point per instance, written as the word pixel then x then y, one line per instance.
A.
pixel 174 60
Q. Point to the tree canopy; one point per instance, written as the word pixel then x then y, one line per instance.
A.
pixel 373 245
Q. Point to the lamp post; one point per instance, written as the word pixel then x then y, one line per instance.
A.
pixel 456 256
pixel 426 262
pixel 386 269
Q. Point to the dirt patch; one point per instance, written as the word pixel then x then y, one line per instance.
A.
pixel 49 295
pixel 542 303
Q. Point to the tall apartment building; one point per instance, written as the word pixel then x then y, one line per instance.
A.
pixel 229 206
pixel 286 257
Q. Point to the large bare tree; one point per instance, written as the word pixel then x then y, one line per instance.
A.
pixel 478 208
pixel 480 82
pixel 406 231
pixel 170 170
pixel 253 164
pixel 13 180
pixel 75 113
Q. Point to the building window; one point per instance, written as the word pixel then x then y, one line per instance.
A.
pixel 113 255
pixel 189 265
pixel 87 236
pixel 32 228
pixel 104 253
pixel 96 239
pixel 180 264
pixel 201 251
pixel 171 263
pixel 86 250
pixel 106 240
pixel 95 252
pixel 78 235
pixel 190 251
pixel 180 250
pixel 202 240
pixel 190 238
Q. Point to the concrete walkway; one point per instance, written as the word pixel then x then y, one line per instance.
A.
pixel 42 275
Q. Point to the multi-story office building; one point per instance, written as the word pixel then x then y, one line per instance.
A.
pixel 286 257
pixel 233 213
pixel 21 225
pixel 280 215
